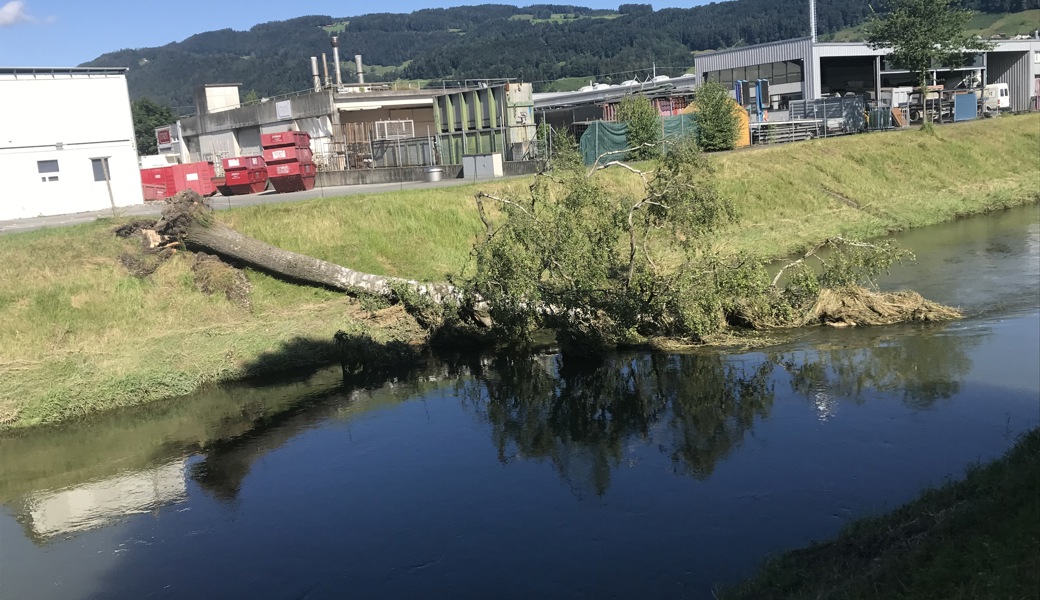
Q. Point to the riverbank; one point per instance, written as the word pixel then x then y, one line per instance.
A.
pixel 79 334
pixel 975 538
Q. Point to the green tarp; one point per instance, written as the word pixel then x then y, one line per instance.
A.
pixel 609 140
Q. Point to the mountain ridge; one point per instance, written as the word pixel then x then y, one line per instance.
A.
pixel 538 43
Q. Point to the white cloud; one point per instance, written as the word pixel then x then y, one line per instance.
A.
pixel 13 13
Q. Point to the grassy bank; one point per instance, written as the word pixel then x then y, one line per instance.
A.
pixel 78 334
pixel 976 538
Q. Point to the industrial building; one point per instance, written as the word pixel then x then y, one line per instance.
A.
pixel 806 69
pixel 354 128
pixel 66 141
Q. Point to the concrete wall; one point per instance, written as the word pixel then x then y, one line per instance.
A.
pixel 308 105
pixel 88 115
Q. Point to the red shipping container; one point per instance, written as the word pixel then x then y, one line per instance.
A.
pixel 161 177
pixel 299 139
pixel 288 154
pixel 175 178
pixel 249 163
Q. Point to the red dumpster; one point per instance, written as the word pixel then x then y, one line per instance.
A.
pixel 250 181
pixel 243 162
pixel 244 175
pixel 288 154
pixel 292 176
pixel 299 139
pixel 196 176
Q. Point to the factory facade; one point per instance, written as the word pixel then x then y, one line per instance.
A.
pixel 803 69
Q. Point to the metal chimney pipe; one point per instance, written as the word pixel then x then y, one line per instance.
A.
pixel 335 60
pixel 314 74
pixel 325 67
pixel 812 20
pixel 360 73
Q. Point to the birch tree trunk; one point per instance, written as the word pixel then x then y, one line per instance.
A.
pixel 188 217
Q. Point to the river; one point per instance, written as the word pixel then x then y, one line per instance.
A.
pixel 645 475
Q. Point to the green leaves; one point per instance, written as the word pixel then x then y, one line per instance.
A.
pixel 147 117
pixel 923 34
pixel 717 122
pixel 644 126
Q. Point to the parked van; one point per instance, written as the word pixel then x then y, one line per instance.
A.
pixel 996 98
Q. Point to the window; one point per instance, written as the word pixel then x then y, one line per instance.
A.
pixel 45 167
pixel 101 169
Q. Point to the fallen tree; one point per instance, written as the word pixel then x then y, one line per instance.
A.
pixel 187 219
pixel 598 268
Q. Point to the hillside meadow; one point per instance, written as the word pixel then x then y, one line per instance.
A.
pixel 80 334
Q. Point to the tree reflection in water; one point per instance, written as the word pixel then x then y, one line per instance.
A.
pixel 583 416
pixel 921 369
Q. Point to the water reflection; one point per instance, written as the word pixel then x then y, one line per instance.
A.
pixel 920 369
pixel 582 417
pixel 47 514
pixel 586 419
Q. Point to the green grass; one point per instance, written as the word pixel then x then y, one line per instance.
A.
pixel 976 538
pixel 337 27
pixel 1006 24
pixel 78 334
pixel 558 18
pixel 983 24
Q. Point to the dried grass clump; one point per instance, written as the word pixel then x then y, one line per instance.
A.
pixel 857 305
pixel 214 276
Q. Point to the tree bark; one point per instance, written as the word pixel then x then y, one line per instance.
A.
pixel 188 217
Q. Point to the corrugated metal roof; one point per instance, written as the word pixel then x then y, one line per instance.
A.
pixel 63 70
pixel 606 94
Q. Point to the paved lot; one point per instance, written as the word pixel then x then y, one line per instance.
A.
pixel 220 203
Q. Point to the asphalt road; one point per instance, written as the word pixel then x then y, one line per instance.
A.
pixel 149 209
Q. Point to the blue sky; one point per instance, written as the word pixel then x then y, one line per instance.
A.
pixel 65 33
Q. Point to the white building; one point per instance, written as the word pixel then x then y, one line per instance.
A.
pixel 806 69
pixel 66 141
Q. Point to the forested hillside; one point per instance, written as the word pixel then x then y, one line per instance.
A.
pixel 538 43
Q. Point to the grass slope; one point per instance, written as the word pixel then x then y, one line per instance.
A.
pixel 986 25
pixel 78 334
pixel 976 538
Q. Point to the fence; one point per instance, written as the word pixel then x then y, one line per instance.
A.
pixel 610 140
pixel 412 152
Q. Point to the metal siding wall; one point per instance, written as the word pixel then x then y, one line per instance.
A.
pixel 758 55
pixel 1012 68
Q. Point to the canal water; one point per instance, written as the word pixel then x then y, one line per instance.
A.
pixel 645 475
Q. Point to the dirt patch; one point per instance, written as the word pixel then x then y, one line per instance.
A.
pixel 144 264
pixel 214 276
pixel 133 227
pixel 859 306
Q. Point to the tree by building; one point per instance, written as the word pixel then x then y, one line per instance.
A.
pixel 717 123
pixel 147 117
pixel 923 34
pixel 644 126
